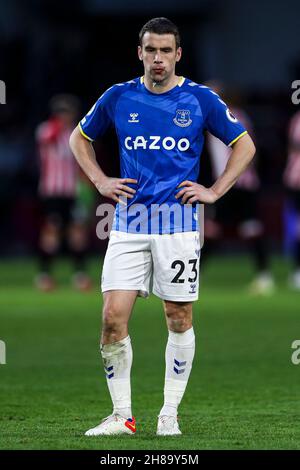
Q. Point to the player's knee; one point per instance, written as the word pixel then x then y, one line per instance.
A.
pixel 112 324
pixel 179 325
pixel 179 316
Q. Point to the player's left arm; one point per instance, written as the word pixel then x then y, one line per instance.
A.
pixel 242 154
pixel 220 122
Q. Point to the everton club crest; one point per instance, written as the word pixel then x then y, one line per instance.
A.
pixel 182 118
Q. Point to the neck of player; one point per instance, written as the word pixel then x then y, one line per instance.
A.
pixel 161 86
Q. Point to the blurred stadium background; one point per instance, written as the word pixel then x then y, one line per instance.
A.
pixel 244 387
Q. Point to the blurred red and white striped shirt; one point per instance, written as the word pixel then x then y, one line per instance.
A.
pixel 58 169
pixel 291 176
pixel 220 154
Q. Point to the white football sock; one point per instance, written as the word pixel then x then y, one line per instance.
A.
pixel 117 361
pixel 179 356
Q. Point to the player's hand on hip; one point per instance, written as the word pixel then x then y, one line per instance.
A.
pixel 194 192
pixel 117 189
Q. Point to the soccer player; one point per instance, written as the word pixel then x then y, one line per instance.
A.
pixel 159 119
pixel 58 188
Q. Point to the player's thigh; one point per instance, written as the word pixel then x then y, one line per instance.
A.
pixel 118 305
pixel 176 266
pixel 127 264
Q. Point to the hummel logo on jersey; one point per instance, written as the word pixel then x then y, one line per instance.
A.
pixel 182 118
pixel 133 117
pixel 156 142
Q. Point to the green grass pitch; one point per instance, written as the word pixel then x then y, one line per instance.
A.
pixel 243 392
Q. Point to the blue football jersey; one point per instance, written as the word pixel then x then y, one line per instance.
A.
pixel 160 138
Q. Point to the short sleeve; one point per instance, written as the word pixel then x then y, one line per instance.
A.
pixel 220 121
pixel 99 118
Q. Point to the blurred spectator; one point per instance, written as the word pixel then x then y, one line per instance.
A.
pixel 239 207
pixel 291 179
pixel 64 215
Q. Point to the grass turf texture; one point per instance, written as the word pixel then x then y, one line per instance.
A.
pixel 243 392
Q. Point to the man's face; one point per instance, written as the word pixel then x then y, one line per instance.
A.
pixel 159 55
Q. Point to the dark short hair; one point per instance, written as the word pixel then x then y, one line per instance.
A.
pixel 160 26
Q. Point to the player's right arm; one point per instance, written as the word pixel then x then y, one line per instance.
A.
pixel 92 126
pixel 85 155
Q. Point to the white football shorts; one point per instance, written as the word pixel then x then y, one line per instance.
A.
pixel 166 264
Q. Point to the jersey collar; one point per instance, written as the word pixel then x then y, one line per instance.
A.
pixel 179 84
